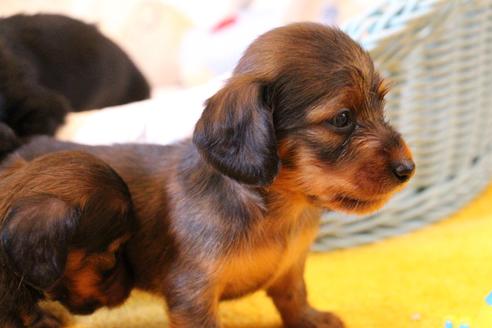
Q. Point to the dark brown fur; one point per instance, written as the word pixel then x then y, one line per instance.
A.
pixel 63 220
pixel 237 209
pixel 52 64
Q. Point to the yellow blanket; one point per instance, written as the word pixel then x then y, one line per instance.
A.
pixel 442 272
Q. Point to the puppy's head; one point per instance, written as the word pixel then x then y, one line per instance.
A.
pixel 67 217
pixel 96 272
pixel 304 111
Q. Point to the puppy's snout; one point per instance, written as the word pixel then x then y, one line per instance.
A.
pixel 403 169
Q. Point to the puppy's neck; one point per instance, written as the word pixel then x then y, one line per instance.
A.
pixel 283 201
pixel 206 185
pixel 277 201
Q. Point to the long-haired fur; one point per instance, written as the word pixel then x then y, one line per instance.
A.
pixel 298 128
pixel 64 219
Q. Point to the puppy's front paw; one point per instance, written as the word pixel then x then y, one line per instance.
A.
pixel 47 321
pixel 39 114
pixel 44 319
pixel 316 319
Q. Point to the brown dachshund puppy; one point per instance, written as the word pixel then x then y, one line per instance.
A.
pixel 63 220
pixel 297 129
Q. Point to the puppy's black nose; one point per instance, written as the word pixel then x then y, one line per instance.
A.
pixel 403 169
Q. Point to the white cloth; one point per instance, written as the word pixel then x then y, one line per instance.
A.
pixel 170 115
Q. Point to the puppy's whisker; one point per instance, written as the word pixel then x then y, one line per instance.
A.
pixel 20 282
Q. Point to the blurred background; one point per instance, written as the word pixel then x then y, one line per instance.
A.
pixel 186 49
pixel 187 43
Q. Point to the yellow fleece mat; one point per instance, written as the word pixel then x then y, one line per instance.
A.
pixel 421 279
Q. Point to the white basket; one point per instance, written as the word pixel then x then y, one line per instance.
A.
pixel 438 56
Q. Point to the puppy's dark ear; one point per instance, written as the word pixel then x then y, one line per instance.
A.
pixel 35 237
pixel 235 133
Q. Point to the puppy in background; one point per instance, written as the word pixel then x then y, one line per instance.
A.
pixel 297 129
pixel 64 220
pixel 51 65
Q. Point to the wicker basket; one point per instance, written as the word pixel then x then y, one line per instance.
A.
pixel 438 55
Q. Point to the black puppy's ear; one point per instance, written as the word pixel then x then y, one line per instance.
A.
pixel 35 237
pixel 235 133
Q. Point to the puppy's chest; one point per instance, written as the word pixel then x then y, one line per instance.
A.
pixel 263 257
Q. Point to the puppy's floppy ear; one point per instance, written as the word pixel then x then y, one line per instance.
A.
pixel 235 133
pixel 35 237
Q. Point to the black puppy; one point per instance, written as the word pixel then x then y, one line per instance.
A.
pixel 52 64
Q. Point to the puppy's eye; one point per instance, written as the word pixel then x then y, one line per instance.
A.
pixel 342 120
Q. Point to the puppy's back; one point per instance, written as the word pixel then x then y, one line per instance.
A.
pixel 75 59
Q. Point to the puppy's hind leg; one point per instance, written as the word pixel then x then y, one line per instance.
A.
pixel 290 298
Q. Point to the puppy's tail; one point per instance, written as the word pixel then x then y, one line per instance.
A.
pixel 9 141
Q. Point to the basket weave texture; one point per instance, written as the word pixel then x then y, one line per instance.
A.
pixel 438 56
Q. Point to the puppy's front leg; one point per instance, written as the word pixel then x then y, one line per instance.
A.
pixel 289 295
pixel 192 301
pixel 39 318
pixel 42 111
